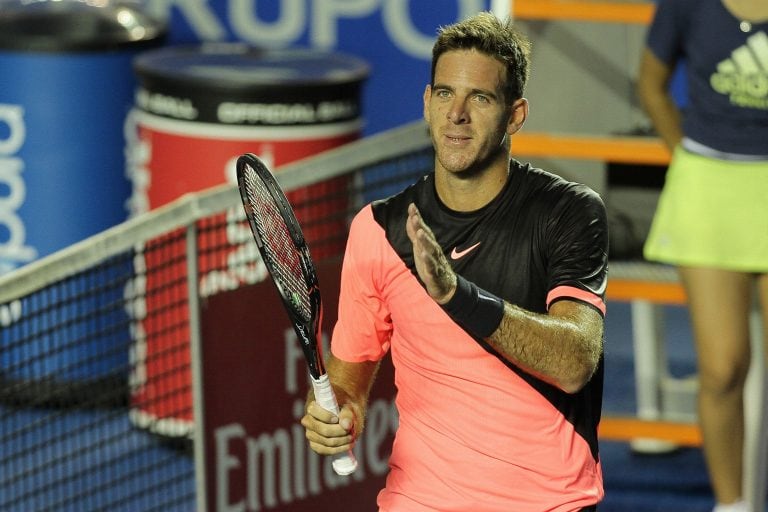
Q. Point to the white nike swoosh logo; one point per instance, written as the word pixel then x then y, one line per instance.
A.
pixel 459 254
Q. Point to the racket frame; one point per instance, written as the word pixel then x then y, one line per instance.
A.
pixel 307 330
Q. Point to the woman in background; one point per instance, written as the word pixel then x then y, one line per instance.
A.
pixel 712 217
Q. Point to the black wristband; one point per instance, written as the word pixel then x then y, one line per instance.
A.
pixel 474 309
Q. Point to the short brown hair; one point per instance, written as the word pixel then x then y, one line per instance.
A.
pixel 499 39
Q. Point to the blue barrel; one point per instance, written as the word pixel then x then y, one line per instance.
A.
pixel 66 87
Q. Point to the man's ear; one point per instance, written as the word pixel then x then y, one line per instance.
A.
pixel 427 97
pixel 518 116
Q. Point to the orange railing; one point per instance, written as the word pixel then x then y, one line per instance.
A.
pixel 617 428
pixel 618 149
pixel 613 12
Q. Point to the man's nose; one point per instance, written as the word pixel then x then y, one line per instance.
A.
pixel 458 114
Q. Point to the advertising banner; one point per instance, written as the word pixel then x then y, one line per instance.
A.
pixel 255 385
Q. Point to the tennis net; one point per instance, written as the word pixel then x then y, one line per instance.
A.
pixel 98 362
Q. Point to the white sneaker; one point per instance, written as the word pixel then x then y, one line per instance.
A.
pixel 737 506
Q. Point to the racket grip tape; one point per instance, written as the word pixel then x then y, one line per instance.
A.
pixel 343 463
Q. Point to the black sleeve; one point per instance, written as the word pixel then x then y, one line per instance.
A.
pixel 578 241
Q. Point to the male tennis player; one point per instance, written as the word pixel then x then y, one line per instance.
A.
pixel 484 280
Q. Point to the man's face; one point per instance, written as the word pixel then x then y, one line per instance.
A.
pixel 466 111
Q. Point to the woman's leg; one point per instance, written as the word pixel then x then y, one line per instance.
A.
pixel 762 290
pixel 719 303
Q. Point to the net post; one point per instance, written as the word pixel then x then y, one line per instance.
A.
pixel 196 362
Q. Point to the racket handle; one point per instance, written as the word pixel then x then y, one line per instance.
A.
pixel 343 463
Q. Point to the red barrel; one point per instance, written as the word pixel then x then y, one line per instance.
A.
pixel 197 109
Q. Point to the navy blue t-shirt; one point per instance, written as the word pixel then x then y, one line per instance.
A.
pixel 726 72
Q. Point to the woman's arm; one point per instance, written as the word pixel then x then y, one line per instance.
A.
pixel 653 90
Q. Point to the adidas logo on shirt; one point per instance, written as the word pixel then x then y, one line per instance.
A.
pixel 744 76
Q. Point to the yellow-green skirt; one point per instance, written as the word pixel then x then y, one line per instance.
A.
pixel 712 213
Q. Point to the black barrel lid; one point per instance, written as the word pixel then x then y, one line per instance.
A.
pixel 234 82
pixel 241 70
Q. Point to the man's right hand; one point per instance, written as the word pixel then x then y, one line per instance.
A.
pixel 326 433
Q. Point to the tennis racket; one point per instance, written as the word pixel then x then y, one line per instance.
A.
pixel 286 256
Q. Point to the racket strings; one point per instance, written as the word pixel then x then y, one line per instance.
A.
pixel 281 254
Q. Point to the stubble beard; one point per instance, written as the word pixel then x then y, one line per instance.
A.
pixel 467 164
